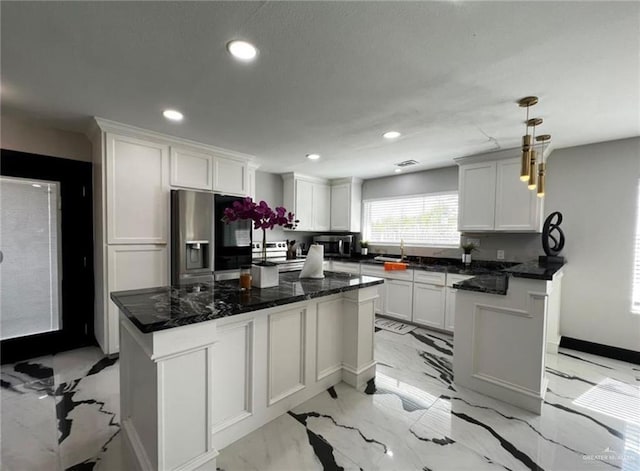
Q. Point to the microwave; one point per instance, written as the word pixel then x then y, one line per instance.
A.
pixel 335 246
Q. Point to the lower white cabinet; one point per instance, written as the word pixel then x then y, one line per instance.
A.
pixel 429 305
pixel 450 302
pixel 398 299
pixel 345 267
pixel 450 308
pixel 424 297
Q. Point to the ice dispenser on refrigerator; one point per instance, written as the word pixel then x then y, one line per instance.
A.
pixel 191 236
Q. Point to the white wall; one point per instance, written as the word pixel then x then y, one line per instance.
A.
pixel 429 181
pixel 595 187
pixel 27 136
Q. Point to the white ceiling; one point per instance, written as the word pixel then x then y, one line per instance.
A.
pixel 331 77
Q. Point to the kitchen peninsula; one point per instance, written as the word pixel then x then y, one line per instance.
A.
pixel 505 322
pixel 205 364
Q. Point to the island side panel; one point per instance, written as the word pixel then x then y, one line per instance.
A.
pixel 358 364
pixel 166 398
pixel 500 342
pixel 329 338
pixel 138 398
pixel 553 313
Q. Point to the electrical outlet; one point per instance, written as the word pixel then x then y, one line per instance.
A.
pixel 500 255
pixel 473 241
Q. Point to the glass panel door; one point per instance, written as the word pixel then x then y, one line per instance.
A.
pixel 30 264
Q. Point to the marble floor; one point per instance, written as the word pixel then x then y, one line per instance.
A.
pixel 61 413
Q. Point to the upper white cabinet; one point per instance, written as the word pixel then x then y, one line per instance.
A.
pixel 191 169
pixel 346 204
pixel 309 199
pixel 517 207
pixel 204 171
pixel 230 176
pixel 492 198
pixel 477 196
pixel 137 191
pixel 321 207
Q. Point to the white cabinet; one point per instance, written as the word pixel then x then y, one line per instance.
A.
pixel 203 171
pixel 377 271
pixel 251 180
pixel 309 198
pixel 230 176
pixel 321 207
pixel 450 304
pixel 133 267
pixel 492 198
pixel 346 204
pixel 302 206
pixel 190 169
pixel 137 191
pixel 450 308
pixel 429 298
pixel 477 196
pixel 345 267
pixel 428 305
pixel 398 299
pixel 517 207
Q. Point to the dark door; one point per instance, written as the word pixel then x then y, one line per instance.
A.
pixel 46 252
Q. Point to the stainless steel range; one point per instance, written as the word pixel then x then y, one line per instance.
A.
pixel 277 253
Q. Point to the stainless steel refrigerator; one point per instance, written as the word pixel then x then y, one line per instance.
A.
pixel 202 245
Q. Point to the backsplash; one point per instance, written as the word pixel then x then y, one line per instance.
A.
pixel 517 248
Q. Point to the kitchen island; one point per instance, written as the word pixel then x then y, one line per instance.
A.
pixel 505 322
pixel 204 365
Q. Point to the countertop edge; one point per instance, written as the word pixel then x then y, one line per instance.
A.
pixel 150 328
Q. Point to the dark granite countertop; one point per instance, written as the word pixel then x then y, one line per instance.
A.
pixel 490 283
pixel 442 265
pixel 488 276
pixel 534 271
pixel 166 307
pixel 498 282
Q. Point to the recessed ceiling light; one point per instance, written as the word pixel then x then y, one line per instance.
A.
pixel 242 50
pixel 313 156
pixel 391 134
pixel 173 115
pixel 398 170
pixel 35 185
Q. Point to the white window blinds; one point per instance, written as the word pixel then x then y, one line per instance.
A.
pixel 430 219
pixel 635 303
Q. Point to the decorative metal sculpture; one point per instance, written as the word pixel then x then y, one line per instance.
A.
pixel 552 244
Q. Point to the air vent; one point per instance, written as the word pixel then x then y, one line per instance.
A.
pixel 406 163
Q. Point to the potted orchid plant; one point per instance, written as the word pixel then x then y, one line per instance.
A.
pixel 263 273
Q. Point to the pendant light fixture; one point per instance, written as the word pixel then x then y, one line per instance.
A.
pixel 533 168
pixel 542 170
pixel 531 182
pixel 527 139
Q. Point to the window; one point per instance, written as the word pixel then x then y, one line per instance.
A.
pixel 635 303
pixel 430 219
